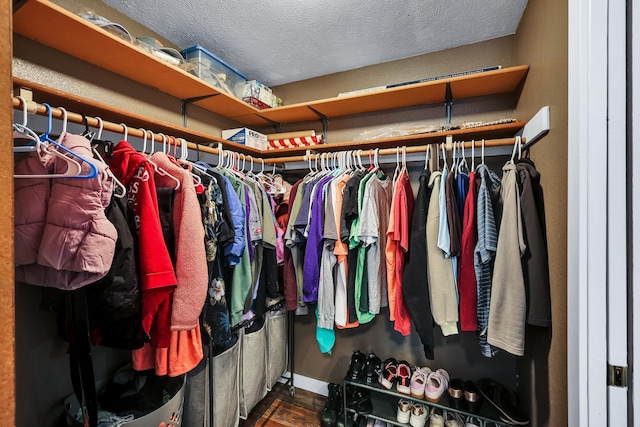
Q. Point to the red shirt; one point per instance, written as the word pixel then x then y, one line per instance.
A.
pixel 467 276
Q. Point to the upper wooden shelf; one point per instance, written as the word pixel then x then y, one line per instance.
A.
pixel 53 26
pixel 495 82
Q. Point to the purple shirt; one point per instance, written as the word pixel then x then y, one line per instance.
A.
pixel 313 252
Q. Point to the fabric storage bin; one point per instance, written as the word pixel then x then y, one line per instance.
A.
pixel 168 415
pixel 214 70
pixel 226 406
pixel 253 369
pixel 277 354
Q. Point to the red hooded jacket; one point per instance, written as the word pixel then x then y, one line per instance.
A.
pixel 157 276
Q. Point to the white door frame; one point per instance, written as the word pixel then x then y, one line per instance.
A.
pixel 597 227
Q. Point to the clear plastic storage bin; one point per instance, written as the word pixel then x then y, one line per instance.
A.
pixel 214 70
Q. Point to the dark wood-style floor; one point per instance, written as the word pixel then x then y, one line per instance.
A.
pixel 301 410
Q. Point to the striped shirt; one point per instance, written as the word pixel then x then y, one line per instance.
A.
pixel 485 250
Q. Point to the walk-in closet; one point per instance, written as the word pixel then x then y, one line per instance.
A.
pixel 271 300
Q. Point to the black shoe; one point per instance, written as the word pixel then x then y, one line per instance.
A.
pixel 356 369
pixel 329 414
pixel 372 369
pixel 360 401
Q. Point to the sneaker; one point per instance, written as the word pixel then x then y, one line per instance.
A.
pixel 435 386
pixel 473 422
pixel 404 411
pixel 403 377
pixel 436 419
pixel 419 414
pixel 418 381
pixel 388 375
pixel 371 369
pixel 329 413
pixel 356 368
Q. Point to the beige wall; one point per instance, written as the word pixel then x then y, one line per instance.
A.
pixel 541 42
pixel 7 372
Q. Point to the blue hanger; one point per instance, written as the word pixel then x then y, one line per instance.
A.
pixel 45 138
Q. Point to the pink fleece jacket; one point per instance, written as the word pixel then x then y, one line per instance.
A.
pixel 75 241
pixel 191 258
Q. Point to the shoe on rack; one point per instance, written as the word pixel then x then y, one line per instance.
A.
pixel 418 381
pixel 472 397
pixel 456 393
pixel 360 401
pixel 388 375
pixel 379 423
pixel 504 400
pixel 329 415
pixel 372 369
pixel 473 422
pixel 436 418
pixel 403 378
pixel 437 383
pixel 419 413
pixel 356 368
pixel 404 411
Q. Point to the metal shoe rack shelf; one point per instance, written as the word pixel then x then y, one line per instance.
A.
pixel 385 405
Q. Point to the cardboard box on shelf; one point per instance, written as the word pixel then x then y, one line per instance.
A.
pixel 258 91
pixel 246 136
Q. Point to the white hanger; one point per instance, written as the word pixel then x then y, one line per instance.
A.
pixel 427 156
pixel 462 164
pixel 482 157
pixel 100 127
pixel 473 158
pixel 125 132
pixel 144 140
pixel 445 165
pixel 24 130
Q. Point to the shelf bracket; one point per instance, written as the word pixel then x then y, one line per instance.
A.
pixel 325 123
pixel 448 104
pixel 187 101
pixel 276 125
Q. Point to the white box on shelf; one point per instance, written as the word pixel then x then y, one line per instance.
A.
pixel 246 136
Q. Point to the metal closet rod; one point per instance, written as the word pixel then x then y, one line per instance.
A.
pixel 57 113
pixel 499 142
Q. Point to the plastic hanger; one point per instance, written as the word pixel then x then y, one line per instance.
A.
pixel 108 172
pixel 462 164
pixel 144 140
pixel 482 153
pixel 397 169
pixel 444 157
pixel 125 131
pixel 473 157
pixel 157 169
pixel 70 157
pixel 26 131
pixel 404 160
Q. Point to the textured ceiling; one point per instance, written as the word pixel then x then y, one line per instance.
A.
pixel 281 41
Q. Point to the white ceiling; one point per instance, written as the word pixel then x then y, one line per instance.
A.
pixel 281 41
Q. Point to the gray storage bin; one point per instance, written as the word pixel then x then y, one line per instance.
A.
pixel 253 369
pixel 226 408
pixel 277 353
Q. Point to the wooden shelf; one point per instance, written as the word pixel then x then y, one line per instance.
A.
pixel 505 80
pixel 53 26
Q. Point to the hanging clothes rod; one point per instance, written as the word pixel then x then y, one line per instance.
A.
pixel 500 142
pixel 57 113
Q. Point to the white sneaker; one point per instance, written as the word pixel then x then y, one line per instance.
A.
pixel 419 414
pixel 404 411
pixel 436 418
pixel 437 383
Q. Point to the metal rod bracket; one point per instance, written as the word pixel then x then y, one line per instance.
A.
pixel 325 123
pixel 187 101
pixel 448 104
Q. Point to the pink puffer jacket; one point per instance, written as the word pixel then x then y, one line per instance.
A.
pixel 77 242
